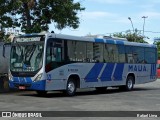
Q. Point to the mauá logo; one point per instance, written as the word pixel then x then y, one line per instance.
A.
pixel 137 68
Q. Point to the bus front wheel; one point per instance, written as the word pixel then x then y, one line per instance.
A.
pixel 71 87
pixel 129 84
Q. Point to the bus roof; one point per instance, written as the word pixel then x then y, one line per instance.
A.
pixel 104 40
pixel 108 40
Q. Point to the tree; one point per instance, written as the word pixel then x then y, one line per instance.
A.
pixel 35 15
pixel 158 47
pixel 132 37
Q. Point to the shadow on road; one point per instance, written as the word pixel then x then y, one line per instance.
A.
pixel 83 92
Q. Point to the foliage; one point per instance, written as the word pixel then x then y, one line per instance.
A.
pixel 132 37
pixel 36 15
pixel 4 38
pixel 1 35
pixel 158 48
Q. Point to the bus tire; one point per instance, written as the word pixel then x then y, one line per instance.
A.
pixel 71 87
pixel 41 92
pixel 129 84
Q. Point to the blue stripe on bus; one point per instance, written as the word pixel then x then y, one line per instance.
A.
pixel 28 79
pixel 40 85
pixel 120 42
pixel 99 40
pixel 110 41
pixel 118 72
pixel 151 75
pixel 15 79
pixel 94 72
pixel 107 73
pixel 153 69
pixel 22 79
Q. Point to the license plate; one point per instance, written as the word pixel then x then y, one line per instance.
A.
pixel 22 87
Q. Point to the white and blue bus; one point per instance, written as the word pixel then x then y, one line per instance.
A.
pixel 46 62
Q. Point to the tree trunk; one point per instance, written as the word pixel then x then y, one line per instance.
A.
pixel 27 15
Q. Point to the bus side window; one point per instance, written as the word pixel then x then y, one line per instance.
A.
pixel 98 52
pixel 70 48
pixel 121 53
pixel 150 55
pixel 106 53
pixel 89 54
pixel 58 54
pixel 138 54
pixel 112 53
pixel 53 55
pixel 129 54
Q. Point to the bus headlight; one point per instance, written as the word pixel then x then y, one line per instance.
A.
pixel 10 76
pixel 38 77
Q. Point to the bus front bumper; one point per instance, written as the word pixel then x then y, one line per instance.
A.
pixel 26 84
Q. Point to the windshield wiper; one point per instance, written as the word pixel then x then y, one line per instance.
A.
pixel 29 52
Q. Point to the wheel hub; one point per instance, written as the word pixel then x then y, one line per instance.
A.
pixel 71 87
pixel 130 84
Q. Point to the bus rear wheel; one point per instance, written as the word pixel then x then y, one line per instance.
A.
pixel 71 87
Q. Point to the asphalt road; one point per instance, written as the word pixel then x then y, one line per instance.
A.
pixel 145 97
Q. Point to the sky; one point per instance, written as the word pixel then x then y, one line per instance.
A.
pixel 105 17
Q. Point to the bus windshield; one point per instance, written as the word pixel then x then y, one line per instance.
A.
pixel 26 57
